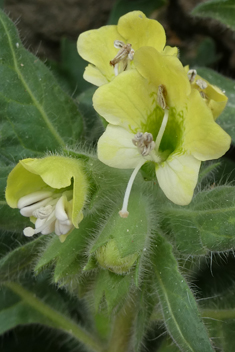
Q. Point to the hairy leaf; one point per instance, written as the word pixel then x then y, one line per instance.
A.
pixel 20 259
pixel 35 114
pixel 20 305
pixel 179 308
pixel 206 224
pixel 221 10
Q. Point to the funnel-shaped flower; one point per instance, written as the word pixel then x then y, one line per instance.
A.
pixel 51 191
pixel 110 49
pixel 212 95
pixel 155 116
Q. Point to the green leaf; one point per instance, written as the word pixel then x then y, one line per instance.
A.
pixel 168 346
pixel 93 123
pixel 206 224
pixel 20 305
pixel 221 10
pixel 20 259
pixel 226 119
pixel 121 7
pixel 179 308
pixel 35 114
pixel 69 71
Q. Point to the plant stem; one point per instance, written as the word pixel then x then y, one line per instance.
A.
pixel 59 320
pixel 122 327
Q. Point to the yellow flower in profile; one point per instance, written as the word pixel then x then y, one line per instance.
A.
pixel 51 191
pixel 155 116
pixel 212 95
pixel 111 49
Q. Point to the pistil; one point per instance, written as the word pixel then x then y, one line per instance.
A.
pixel 146 146
pixel 123 212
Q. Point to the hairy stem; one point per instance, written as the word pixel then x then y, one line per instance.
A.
pixel 121 334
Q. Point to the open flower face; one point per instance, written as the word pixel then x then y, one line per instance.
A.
pixel 212 95
pixel 51 191
pixel 155 116
pixel 111 49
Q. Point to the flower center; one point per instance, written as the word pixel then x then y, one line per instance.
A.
pixel 147 147
pixel 144 142
pixel 121 60
pixel 50 210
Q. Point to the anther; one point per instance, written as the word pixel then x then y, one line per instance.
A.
pixel 144 142
pixel 201 84
pixel 161 96
pixel 125 53
pixel 191 75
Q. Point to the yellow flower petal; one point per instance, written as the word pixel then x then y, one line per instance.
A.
pixel 97 47
pixel 126 101
pixel 217 100
pixel 53 172
pixel 20 183
pixel 115 148
pixel 203 138
pixel 140 31
pixel 164 70
pixel 93 75
pixel 172 51
pixel 177 177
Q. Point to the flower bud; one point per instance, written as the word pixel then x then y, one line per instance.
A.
pixel 108 256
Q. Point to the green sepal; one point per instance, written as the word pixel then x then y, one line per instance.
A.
pixel 68 257
pixel 121 241
pixel 113 288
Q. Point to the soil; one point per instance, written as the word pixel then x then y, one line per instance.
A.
pixel 42 24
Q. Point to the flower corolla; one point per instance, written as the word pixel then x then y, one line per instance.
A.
pixel 156 115
pixel 51 191
pixel 111 49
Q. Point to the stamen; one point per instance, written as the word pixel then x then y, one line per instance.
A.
pixel 29 231
pixel 32 198
pixel 191 75
pixel 161 97
pixel 123 212
pixel 118 44
pixel 162 130
pixel 43 212
pixel 30 209
pixel 116 69
pixel 203 95
pixel 60 212
pixel 125 53
pixel 144 142
pixel 201 84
